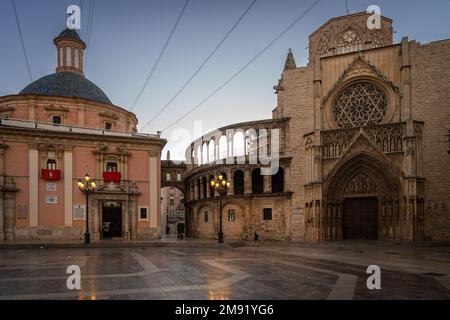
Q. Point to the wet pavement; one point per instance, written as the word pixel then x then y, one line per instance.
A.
pixel 270 271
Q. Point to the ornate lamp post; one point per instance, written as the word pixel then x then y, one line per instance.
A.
pixel 87 186
pixel 221 186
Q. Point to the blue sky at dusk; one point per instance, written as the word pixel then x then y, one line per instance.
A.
pixel 127 36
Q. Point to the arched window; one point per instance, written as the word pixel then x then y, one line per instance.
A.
pixel 205 186
pixel 238 182
pixel 278 181
pixel 257 181
pixel 360 104
pixel 77 59
pixel 211 189
pixel 199 155
pixel 223 146
pixel 238 144
pixel 349 42
pixel 198 189
pixel 68 56
pixel 211 147
pixel 252 141
pixel 111 167
pixel 205 153
pixel 51 164
pixel 224 175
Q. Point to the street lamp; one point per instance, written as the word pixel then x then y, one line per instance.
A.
pixel 221 186
pixel 87 186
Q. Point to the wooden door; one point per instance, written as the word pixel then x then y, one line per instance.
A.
pixel 360 218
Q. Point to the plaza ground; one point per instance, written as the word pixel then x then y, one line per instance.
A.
pixel 205 270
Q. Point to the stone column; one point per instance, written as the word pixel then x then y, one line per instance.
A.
pixel 208 189
pixel 153 181
pixel 33 185
pixel 68 188
pixel 126 219
pixel 230 178
pixel 2 212
pixel 267 184
pixel 133 218
pixel 96 230
pixel 2 158
pixel 247 180
pixel 287 179
pixel 10 213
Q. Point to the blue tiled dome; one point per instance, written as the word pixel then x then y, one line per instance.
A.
pixel 67 84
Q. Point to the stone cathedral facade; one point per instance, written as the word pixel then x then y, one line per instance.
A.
pixel 363 153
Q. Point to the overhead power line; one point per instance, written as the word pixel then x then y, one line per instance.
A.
pixel 152 71
pixel 82 15
pixel 271 43
pixel 89 30
pixel 201 66
pixel 21 39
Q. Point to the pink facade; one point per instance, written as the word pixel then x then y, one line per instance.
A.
pixel 55 131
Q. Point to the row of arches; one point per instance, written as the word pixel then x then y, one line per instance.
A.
pixel 231 145
pixel 200 188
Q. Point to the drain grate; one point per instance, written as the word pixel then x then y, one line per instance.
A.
pixel 434 274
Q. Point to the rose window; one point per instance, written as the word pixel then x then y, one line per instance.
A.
pixel 360 104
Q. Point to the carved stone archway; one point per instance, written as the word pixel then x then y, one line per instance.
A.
pixel 363 175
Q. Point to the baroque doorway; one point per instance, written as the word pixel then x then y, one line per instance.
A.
pixel 112 220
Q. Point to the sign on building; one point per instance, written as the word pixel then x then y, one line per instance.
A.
pixel 79 212
pixel 51 186
pixel 51 199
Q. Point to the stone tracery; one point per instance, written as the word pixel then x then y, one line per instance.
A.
pixel 360 104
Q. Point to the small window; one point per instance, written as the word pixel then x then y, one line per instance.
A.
pixel 111 167
pixel 168 177
pixel 206 216
pixel 56 120
pixel 267 213
pixel 171 202
pixel 178 176
pixel 143 213
pixel 51 164
pixel 231 215
pixel 108 126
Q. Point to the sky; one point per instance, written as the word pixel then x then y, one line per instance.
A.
pixel 127 36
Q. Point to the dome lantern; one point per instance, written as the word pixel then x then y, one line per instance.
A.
pixel 70 49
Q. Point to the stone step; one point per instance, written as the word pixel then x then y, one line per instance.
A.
pixel 237 244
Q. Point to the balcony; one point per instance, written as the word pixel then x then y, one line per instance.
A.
pixel 112 176
pixel 51 175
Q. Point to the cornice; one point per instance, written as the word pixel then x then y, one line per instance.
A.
pixel 18 134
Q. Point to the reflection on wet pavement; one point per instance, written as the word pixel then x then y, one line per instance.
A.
pixel 328 271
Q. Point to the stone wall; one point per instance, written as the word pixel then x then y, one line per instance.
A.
pixel 430 101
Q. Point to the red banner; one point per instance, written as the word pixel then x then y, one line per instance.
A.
pixel 48 174
pixel 111 176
